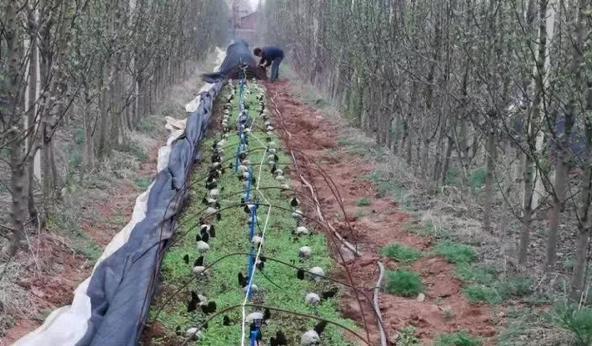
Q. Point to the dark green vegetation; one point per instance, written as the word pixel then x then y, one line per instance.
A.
pixel 456 253
pixel 577 321
pixel 457 339
pixel 364 202
pixel 277 283
pixel 403 283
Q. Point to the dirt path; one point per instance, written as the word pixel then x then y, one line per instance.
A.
pixel 445 309
pixel 57 270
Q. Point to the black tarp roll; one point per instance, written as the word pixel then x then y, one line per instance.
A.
pixel 237 54
pixel 121 287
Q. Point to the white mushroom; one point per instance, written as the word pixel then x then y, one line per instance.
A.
pixel 310 338
pixel 257 240
pixel 211 200
pixel 211 211
pixel 305 252
pixel 301 230
pixel 253 316
pixel 202 246
pixel 254 288
pixel 312 299
pixel 298 215
pixel 317 273
pixel 194 334
pixel 214 193
pixel 199 269
pixel 250 220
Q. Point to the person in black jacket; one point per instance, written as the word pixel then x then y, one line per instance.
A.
pixel 270 56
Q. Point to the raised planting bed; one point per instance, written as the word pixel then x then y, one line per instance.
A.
pixel 244 247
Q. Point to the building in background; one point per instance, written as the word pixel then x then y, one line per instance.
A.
pixel 245 21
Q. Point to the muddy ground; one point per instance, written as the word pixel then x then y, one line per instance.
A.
pixel 444 309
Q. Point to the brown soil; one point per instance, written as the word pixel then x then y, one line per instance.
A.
pixel 444 309
pixel 58 270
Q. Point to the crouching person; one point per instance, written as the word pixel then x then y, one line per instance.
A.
pixel 270 56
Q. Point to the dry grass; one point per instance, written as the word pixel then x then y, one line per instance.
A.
pixel 14 302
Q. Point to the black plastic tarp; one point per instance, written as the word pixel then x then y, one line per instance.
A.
pixel 121 287
pixel 237 55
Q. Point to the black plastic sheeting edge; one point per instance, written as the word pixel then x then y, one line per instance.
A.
pixel 122 286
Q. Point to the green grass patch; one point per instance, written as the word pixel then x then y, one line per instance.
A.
pixel 401 253
pixel 515 287
pixel 486 287
pixel 364 202
pixel 475 273
pixel 576 321
pixel 461 338
pixel 482 294
pixel 477 178
pixel 456 253
pixel 143 183
pixel 232 237
pixel 403 283
pixel 408 337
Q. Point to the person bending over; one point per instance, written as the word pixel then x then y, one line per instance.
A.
pixel 270 56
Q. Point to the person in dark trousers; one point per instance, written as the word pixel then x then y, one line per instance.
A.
pixel 270 56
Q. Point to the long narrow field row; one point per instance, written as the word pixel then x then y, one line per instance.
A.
pixel 247 266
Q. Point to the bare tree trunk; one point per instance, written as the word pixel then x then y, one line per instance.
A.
pixel 15 132
pixel 526 210
pixel 582 238
pixel 577 66
pixel 489 190
pixel 531 133
pixel 19 200
pixel 446 164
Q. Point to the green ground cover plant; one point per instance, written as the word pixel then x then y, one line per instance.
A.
pixel 278 285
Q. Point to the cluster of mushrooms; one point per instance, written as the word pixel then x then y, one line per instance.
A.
pixel 207 230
